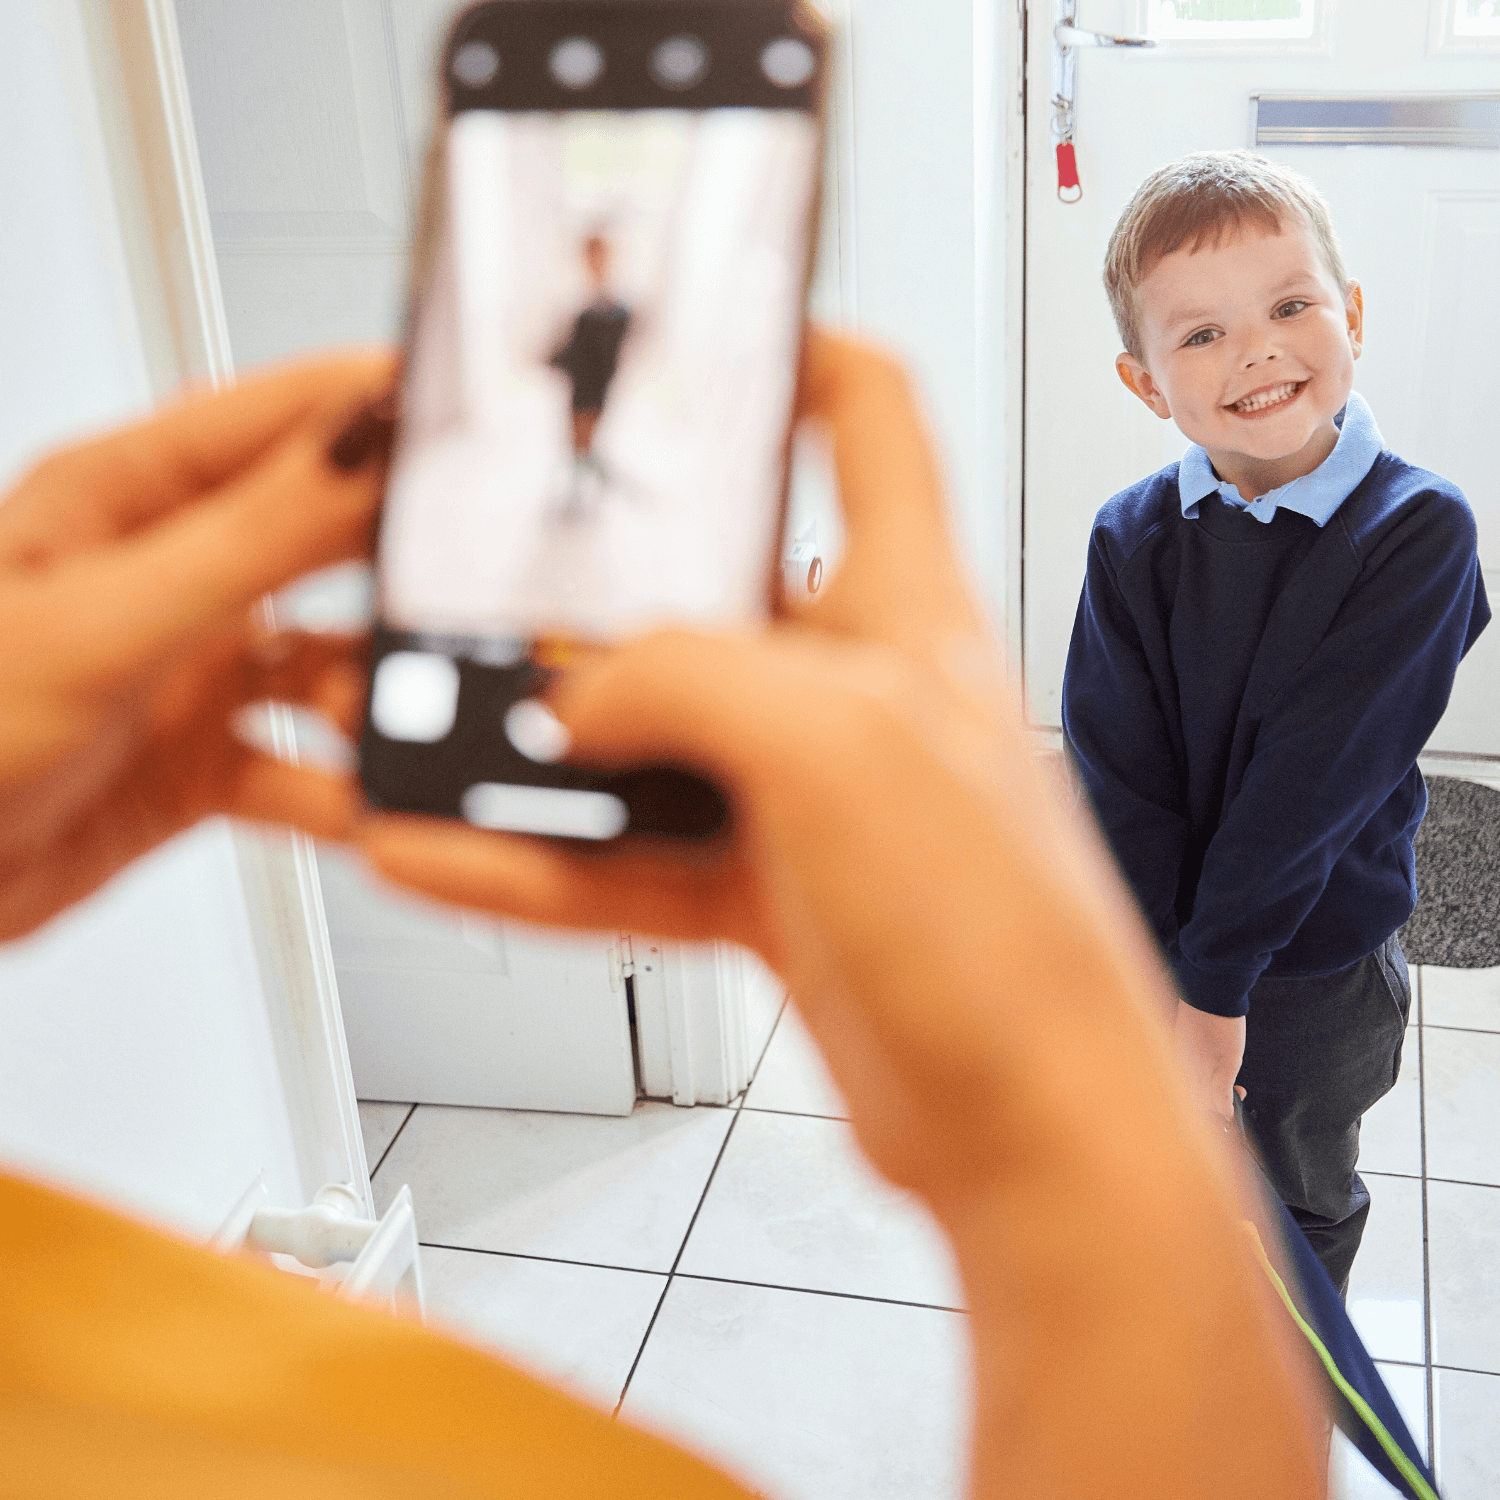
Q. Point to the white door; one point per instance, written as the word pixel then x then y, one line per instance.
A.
pixel 450 1007
pixel 1420 227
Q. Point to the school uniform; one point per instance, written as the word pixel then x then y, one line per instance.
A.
pixel 1247 690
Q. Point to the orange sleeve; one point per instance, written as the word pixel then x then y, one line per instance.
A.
pixel 132 1364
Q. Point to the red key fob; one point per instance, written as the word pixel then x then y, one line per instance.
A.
pixel 1067 173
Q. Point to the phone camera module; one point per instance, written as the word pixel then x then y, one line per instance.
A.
pixel 679 62
pixel 787 62
pixel 576 62
pixel 475 63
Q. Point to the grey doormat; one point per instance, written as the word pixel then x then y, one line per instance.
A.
pixel 1457 920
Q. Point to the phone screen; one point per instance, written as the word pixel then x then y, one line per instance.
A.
pixel 606 312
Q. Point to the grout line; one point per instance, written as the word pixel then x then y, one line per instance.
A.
pixel 411 1110
pixel 550 1260
pixel 1404 1176
pixel 1426 1253
pixel 738 1103
pixel 818 1291
pixel 769 1286
pixel 1471 1030
pixel 771 1037
pixel 677 1260
pixel 1411 1364
pixel 796 1114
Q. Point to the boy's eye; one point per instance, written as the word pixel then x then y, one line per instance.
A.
pixel 1203 336
pixel 1291 309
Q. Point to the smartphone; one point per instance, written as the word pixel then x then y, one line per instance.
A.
pixel 608 291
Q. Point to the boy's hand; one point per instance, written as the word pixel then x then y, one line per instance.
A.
pixel 1211 1048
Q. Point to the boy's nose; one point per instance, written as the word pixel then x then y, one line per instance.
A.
pixel 1256 348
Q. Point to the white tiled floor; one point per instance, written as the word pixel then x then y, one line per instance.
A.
pixel 739 1279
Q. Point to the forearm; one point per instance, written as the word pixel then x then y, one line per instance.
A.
pixel 1124 1343
pixel 1127 1353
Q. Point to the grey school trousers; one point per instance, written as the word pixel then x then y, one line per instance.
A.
pixel 1318 1053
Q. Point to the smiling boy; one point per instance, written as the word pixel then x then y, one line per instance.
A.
pixel 1267 637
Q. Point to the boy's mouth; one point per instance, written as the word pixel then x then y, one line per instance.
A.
pixel 1266 398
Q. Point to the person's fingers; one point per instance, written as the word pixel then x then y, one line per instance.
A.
pixel 321 672
pixel 112 485
pixel 728 706
pixel 898 565
pixel 266 790
pixel 287 514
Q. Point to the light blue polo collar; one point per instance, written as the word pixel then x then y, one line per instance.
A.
pixel 1316 495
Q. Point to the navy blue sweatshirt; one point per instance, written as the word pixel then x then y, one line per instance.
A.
pixel 1246 703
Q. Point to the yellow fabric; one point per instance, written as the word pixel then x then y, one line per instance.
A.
pixel 132 1364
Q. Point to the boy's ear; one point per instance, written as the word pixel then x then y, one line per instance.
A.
pixel 1354 311
pixel 1137 379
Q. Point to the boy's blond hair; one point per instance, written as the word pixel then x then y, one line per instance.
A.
pixel 1194 202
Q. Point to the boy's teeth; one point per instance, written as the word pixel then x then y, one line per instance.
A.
pixel 1266 398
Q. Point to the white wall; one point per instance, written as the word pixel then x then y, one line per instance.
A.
pixel 137 1060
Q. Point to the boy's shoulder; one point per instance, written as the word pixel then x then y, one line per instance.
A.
pixel 1401 497
pixel 1126 520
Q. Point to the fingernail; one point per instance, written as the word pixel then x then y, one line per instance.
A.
pixel 368 436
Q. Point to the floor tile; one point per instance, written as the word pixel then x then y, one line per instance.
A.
pixel 1385 1289
pixel 616 1191
pixel 1461 997
pixel 793 1076
pixel 809 1397
pixel 1467 1408
pixel 793 1203
pixel 1462 1101
pixel 579 1326
pixel 1463 1231
pixel 378 1123
pixel 1390 1135
pixel 1353 1477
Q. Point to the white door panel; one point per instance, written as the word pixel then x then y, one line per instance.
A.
pixel 1419 228
pixel 451 1007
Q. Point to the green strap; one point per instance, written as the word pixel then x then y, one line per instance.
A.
pixel 1404 1466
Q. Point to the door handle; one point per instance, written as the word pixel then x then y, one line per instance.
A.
pixel 1068 35
pixel 1066 40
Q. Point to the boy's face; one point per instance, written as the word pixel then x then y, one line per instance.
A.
pixel 1249 345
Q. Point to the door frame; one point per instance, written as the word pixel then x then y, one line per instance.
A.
pixel 1000 225
pixel 689 1017
pixel 142 94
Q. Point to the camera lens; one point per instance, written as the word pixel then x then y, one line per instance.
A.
pixel 679 62
pixel 788 62
pixel 475 63
pixel 576 62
